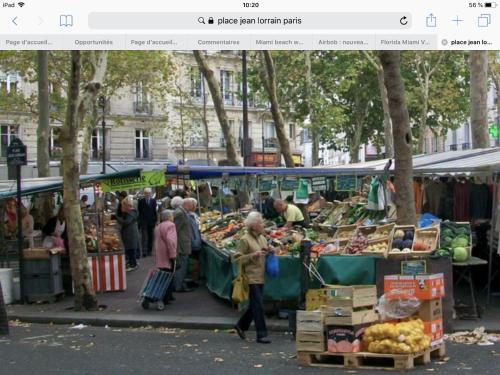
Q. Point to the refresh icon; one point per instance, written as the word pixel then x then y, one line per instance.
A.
pixel 403 20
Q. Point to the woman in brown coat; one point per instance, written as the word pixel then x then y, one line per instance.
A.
pixel 252 250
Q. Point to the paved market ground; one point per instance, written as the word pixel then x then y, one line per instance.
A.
pixel 197 310
pixel 63 350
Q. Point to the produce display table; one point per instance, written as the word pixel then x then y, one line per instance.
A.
pixel 464 273
pixel 219 273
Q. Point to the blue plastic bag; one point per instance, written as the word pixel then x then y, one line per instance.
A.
pixel 272 265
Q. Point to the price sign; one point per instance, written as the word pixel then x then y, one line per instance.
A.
pixel 289 184
pixel 267 185
pixel 17 153
pixel 346 183
pixel 319 183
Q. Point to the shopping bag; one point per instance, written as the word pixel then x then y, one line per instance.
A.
pixel 272 265
pixel 241 290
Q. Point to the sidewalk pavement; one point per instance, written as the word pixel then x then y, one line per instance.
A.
pixel 195 310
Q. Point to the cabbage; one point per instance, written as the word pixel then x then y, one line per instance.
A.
pixel 460 254
pixel 459 242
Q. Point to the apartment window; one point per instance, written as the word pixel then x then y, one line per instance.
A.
pixel 466 133
pixel 269 134
pixel 226 83
pixel 9 82
pixel 142 104
pixel 55 147
pixel 291 131
pixel 9 132
pixel 454 137
pixel 305 136
pixel 434 144
pixel 142 141
pixel 198 136
pixel 196 84
pixel 96 144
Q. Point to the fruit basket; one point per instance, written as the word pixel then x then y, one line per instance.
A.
pixel 377 247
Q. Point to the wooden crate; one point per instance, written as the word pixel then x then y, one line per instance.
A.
pixel 310 341
pixel 385 240
pixel 370 361
pixel 351 296
pixel 366 230
pixel 384 231
pixel 348 316
pixel 310 321
pixel 344 232
pixel 430 236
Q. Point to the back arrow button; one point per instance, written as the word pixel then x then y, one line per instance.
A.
pixel 14 20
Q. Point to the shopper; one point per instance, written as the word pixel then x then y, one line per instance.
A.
pixel 252 255
pixel 165 249
pixel 147 220
pixel 121 196
pixel 195 240
pixel 268 210
pixel 84 202
pixel 129 231
pixel 291 213
pixel 183 228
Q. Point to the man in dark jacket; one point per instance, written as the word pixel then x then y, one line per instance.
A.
pixel 147 221
pixel 268 210
pixel 184 234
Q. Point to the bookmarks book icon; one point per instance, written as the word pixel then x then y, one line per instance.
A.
pixel 66 20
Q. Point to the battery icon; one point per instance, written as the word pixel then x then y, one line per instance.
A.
pixel 490 5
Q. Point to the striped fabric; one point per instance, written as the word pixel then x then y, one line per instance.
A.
pixel 108 272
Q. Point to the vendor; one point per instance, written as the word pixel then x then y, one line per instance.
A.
pixel 291 213
pixel 55 231
pixel 28 225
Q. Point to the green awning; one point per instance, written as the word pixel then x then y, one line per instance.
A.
pixel 32 186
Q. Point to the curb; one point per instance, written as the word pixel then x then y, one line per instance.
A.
pixel 137 321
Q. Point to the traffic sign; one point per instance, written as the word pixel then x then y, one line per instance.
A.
pixel 16 153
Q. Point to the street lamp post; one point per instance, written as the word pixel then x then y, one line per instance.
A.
pixel 102 104
pixel 246 139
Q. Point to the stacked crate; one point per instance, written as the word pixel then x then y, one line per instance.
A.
pixel 310 335
pixel 347 312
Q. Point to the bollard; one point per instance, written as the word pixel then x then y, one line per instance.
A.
pixel 4 321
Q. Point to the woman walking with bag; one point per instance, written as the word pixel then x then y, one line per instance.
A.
pixel 252 255
pixel 165 250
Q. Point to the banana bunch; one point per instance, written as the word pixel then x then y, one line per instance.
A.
pixel 401 338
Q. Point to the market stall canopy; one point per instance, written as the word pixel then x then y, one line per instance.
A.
pixel 450 162
pixel 42 185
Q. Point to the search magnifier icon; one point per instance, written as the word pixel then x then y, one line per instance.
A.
pixel 201 20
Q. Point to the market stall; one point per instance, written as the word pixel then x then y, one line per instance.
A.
pixel 105 250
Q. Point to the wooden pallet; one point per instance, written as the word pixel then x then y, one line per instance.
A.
pixel 370 361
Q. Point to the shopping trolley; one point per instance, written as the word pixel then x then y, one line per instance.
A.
pixel 154 288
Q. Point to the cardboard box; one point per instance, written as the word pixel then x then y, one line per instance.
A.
pixel 434 329
pixel 431 310
pixel 310 341
pixel 424 287
pixel 348 316
pixel 345 339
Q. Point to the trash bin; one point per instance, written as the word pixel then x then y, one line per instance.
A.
pixel 42 277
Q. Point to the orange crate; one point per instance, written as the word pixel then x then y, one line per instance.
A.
pixel 424 287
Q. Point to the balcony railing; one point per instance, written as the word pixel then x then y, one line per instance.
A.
pixel 143 108
pixel 196 142
pixel 454 147
pixel 271 142
pixel 465 146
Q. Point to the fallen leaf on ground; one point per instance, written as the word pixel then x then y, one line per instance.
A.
pixel 218 360
pixel 258 366
pixel 205 340
pixel 430 369
pixel 79 326
pixel 266 354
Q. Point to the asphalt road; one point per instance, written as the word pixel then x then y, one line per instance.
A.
pixel 49 349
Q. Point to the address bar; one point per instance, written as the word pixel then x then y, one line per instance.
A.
pixel 249 21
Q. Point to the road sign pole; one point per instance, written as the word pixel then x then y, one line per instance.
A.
pixel 20 232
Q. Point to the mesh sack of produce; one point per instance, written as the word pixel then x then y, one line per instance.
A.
pixel 397 305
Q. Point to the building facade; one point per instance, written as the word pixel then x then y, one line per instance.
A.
pixel 140 132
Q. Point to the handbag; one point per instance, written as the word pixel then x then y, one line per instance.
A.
pixel 272 265
pixel 241 289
